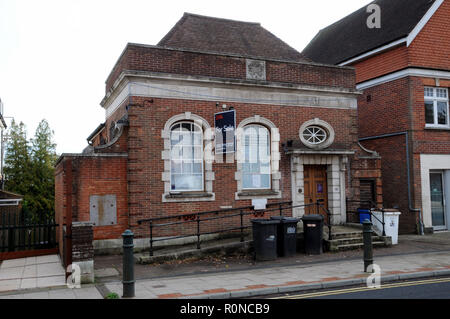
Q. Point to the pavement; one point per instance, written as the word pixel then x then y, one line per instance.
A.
pixel 31 272
pixel 241 277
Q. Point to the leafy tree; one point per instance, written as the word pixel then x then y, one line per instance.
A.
pixel 43 152
pixel 29 168
pixel 18 164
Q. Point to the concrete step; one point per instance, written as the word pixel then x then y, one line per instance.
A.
pixel 353 240
pixel 360 245
pixel 345 241
pixel 355 234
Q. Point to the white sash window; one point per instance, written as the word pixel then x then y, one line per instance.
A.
pixel 256 165
pixel 186 157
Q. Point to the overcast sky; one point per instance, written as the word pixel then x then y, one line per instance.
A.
pixel 55 55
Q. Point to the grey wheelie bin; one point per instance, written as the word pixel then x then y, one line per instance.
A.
pixel 313 234
pixel 265 239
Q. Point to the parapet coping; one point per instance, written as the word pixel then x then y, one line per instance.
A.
pixel 90 155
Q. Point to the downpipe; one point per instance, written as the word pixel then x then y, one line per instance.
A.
pixel 408 174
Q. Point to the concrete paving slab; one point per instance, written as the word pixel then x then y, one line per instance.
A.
pixel 62 294
pixel 9 285
pixel 30 260
pixel 28 283
pixel 47 259
pixel 51 281
pixel 50 269
pixel 106 272
pixel 11 273
pixel 87 293
pixel 17 296
pixel 37 295
pixel 12 263
pixel 29 271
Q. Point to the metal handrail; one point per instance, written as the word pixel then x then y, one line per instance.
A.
pixel 319 201
pixel 195 218
pixel 372 205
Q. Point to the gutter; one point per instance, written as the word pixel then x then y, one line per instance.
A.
pixel 411 208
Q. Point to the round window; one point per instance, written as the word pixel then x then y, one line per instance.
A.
pixel 314 134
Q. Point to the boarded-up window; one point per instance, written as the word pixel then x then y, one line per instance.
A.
pixel 103 210
pixel 366 192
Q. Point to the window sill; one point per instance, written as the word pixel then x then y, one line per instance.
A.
pixel 263 193
pixel 257 192
pixel 435 127
pixel 188 197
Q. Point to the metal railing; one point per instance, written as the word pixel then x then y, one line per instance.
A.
pixel 19 233
pixel 327 212
pixel 206 216
pixel 372 207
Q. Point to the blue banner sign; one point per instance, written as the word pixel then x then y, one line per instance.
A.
pixel 225 127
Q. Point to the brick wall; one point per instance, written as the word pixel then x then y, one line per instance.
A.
pixel 383 108
pixel 82 238
pixel 395 183
pixel 146 58
pixel 93 175
pixel 145 145
pixel 431 47
pixel 381 64
pixel 429 141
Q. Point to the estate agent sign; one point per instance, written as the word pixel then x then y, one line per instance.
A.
pixel 225 126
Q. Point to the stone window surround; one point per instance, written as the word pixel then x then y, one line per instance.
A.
pixel 318 122
pixel 208 139
pixel 275 191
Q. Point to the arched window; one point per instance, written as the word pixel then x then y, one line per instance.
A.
pixel 256 164
pixel 186 157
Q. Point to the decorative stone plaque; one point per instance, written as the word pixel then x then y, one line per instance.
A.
pixel 256 70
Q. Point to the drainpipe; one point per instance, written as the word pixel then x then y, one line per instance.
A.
pixel 411 208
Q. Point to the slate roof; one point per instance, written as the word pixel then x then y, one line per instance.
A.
pixel 217 35
pixel 350 36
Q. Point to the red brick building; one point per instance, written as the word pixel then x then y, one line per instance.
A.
pixel 403 70
pixel 156 153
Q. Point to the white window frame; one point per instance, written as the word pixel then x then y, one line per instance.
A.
pixel 316 122
pixel 202 188
pixel 435 99
pixel 275 156
pixel 269 149
pixel 207 193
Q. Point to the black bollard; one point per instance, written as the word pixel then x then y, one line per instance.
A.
pixel 128 264
pixel 368 249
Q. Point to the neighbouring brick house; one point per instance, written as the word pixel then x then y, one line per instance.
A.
pixel 403 70
pixel 152 157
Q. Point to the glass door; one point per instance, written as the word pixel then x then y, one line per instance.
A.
pixel 437 201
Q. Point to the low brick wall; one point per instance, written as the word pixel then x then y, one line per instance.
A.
pixel 83 249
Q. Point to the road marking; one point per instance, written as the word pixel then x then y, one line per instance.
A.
pixel 361 289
